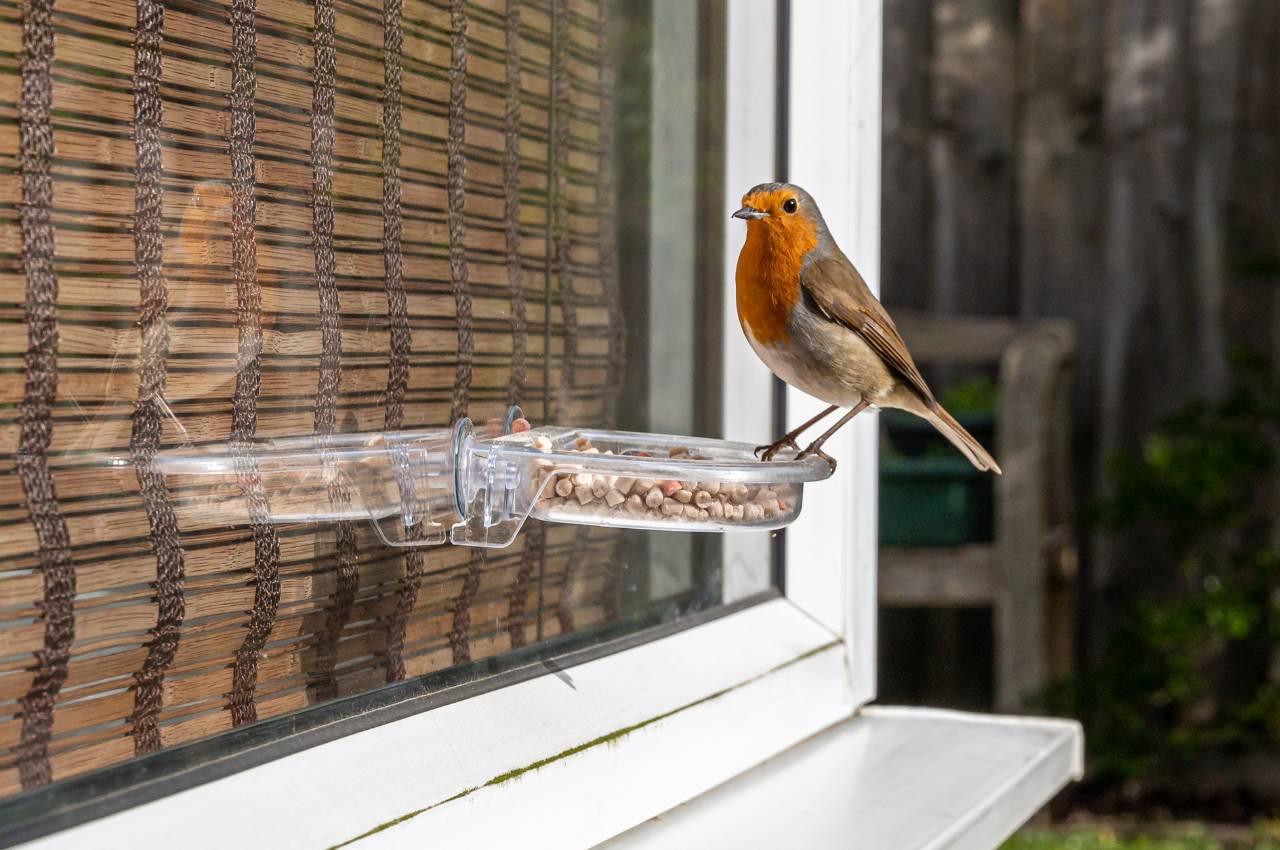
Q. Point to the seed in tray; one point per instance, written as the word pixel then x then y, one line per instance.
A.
pixel 605 495
pixel 542 443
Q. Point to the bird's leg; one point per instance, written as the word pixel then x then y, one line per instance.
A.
pixel 788 440
pixel 814 449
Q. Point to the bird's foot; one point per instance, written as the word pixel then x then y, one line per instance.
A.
pixel 816 451
pixel 767 453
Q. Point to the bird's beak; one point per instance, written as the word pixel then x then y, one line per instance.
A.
pixel 750 213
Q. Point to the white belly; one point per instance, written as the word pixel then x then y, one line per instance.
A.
pixel 799 373
pixel 825 360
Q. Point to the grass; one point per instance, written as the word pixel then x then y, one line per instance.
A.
pixel 1264 835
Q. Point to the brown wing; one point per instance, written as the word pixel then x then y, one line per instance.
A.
pixel 836 291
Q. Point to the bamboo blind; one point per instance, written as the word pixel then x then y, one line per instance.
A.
pixel 223 221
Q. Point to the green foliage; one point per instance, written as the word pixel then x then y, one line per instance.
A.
pixel 1185 672
pixel 1090 840
pixel 1255 265
pixel 975 395
pixel 1197 475
pixel 1263 836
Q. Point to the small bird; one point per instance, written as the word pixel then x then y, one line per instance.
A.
pixel 811 318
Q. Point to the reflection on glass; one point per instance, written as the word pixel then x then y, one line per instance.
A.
pixel 281 221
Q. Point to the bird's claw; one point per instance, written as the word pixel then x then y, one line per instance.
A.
pixel 814 451
pixel 767 453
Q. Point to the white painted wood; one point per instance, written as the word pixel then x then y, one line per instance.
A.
pixel 750 75
pixel 906 779
pixel 717 699
pixel 582 801
pixel 834 145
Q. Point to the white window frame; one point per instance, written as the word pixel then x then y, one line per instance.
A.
pixel 572 759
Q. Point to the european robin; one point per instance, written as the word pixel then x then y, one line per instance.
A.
pixel 811 318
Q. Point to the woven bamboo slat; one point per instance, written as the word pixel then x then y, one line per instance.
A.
pixel 232 220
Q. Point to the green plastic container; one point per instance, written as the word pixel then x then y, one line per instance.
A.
pixel 930 495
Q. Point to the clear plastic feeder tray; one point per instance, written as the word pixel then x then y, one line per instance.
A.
pixel 630 480
pixel 477 487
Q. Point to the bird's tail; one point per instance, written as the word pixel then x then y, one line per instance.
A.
pixel 961 439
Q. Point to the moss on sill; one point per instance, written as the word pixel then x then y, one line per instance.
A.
pixel 608 738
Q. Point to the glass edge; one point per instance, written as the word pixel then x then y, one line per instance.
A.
pixel 782 157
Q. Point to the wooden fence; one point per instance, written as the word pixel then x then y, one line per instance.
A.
pixel 1116 163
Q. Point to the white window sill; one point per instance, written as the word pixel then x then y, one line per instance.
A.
pixel 906 779
pixel 557 761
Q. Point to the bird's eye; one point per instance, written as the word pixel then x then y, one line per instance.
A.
pixel 789 205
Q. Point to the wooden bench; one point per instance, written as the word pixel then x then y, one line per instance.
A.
pixel 1027 574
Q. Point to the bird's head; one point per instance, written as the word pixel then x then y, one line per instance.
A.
pixel 782 214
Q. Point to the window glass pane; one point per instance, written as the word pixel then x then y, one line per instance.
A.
pixel 241 221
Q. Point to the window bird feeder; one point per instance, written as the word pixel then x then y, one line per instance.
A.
pixel 469 487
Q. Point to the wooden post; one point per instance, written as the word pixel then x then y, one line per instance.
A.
pixel 1032 372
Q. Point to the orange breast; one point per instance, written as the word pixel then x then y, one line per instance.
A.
pixel 768 278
